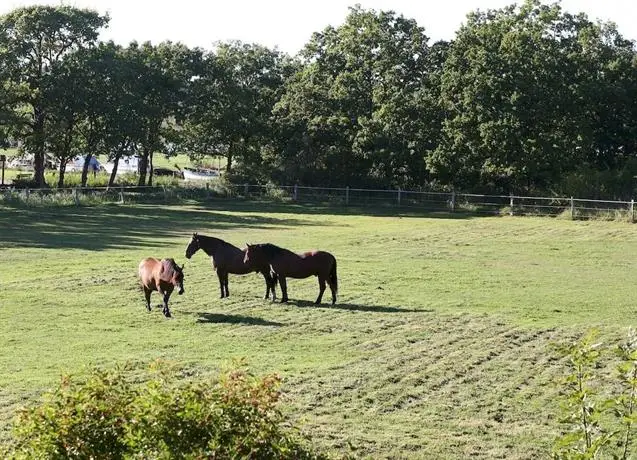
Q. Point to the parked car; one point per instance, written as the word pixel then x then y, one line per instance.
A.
pixel 168 172
pixel 77 164
pixel 200 174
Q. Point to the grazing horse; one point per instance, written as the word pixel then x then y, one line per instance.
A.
pixel 285 263
pixel 227 258
pixel 162 276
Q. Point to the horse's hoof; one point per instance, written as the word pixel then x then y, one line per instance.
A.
pixel 167 314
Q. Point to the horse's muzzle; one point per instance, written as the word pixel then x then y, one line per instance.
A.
pixel 181 291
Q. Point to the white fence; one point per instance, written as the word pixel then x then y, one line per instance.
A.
pixel 376 198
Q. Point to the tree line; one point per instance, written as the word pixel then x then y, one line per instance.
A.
pixel 527 98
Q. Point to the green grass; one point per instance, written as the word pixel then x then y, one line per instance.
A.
pixel 437 348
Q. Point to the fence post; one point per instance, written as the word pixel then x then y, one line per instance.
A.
pixel 165 194
pixel 632 211
pixel 207 189
pixel 121 194
pixel 246 189
pixel 296 192
pixel 511 203
pixel 347 195
pixel 398 196
pixel 572 209
pixel 452 203
pixel 76 197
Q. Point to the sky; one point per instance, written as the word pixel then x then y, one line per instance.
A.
pixel 288 24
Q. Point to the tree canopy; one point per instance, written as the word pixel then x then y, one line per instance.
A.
pixel 526 98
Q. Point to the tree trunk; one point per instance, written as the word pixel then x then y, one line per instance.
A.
pixel 62 171
pixel 229 156
pixel 87 160
pixel 111 180
pixel 143 167
pixel 38 152
pixel 150 171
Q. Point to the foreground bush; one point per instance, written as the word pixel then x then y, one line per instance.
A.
pixel 599 410
pixel 108 416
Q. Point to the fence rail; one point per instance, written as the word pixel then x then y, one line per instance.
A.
pixel 425 200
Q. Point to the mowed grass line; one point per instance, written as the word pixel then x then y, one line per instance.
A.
pixel 438 347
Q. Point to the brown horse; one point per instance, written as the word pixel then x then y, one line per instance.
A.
pixel 162 276
pixel 227 258
pixel 285 263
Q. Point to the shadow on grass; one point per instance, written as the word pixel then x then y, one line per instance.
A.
pixel 233 319
pixel 119 226
pixel 376 209
pixel 354 307
pixel 107 226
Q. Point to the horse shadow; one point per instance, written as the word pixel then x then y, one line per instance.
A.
pixel 220 318
pixel 355 307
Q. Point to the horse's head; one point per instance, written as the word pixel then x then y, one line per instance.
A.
pixel 178 278
pixel 252 254
pixel 193 245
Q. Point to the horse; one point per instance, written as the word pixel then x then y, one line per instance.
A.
pixel 227 258
pixel 285 263
pixel 162 276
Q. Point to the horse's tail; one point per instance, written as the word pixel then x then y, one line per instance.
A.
pixel 333 277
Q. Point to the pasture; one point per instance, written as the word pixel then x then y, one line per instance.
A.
pixel 438 346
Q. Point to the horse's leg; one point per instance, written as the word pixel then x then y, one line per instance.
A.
pixel 225 283
pixel 333 289
pixel 270 283
pixel 321 290
pixel 220 276
pixel 166 311
pixel 273 279
pixel 284 289
pixel 147 295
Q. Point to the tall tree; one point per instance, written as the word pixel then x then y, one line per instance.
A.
pixel 32 40
pixel 62 104
pixel 518 87
pixel 234 98
pixel 166 71
pixel 358 110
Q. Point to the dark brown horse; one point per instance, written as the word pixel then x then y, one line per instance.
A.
pixel 227 258
pixel 162 276
pixel 285 263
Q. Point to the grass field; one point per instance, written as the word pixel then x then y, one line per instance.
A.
pixel 437 348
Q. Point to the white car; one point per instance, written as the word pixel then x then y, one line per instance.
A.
pixel 77 164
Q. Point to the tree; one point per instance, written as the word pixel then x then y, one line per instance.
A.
pixel 165 73
pixel 233 102
pixel 32 41
pixel 62 104
pixel 518 90
pixel 359 110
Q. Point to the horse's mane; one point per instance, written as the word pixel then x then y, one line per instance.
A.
pixel 210 243
pixel 170 267
pixel 272 250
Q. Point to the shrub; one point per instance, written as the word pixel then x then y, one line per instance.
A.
pixel 109 416
pixel 598 422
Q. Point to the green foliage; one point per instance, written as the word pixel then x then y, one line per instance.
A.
pixel 590 432
pixel 108 415
pixel 362 108
pixel 526 99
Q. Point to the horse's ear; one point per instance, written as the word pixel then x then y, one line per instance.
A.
pixel 195 235
pixel 248 245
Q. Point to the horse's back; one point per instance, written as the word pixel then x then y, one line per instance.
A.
pixel 302 265
pixel 147 267
pixel 317 255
